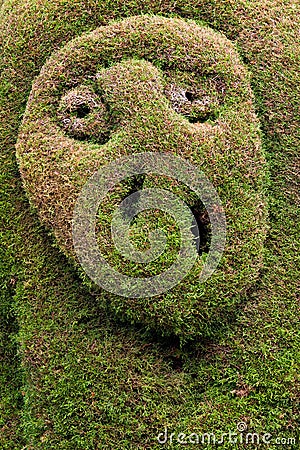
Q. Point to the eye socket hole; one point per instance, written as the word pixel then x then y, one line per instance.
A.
pixel 83 115
pixel 82 111
pixel 194 104
pixel 190 97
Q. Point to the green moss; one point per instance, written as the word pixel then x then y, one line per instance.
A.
pixel 136 112
pixel 92 383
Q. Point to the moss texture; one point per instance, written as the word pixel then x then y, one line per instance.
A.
pixel 89 382
pixel 129 103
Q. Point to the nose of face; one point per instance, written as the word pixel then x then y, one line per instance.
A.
pixel 134 92
pixel 132 89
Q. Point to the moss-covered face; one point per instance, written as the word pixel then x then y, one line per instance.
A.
pixel 150 84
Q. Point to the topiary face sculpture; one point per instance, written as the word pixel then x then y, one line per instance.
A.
pixel 165 86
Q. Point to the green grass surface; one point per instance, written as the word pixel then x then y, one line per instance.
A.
pixel 88 381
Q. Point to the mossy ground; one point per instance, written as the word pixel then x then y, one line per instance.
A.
pixel 87 381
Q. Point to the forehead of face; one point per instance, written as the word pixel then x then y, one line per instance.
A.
pixel 181 52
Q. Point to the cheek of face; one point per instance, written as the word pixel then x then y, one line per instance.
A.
pixel 151 85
